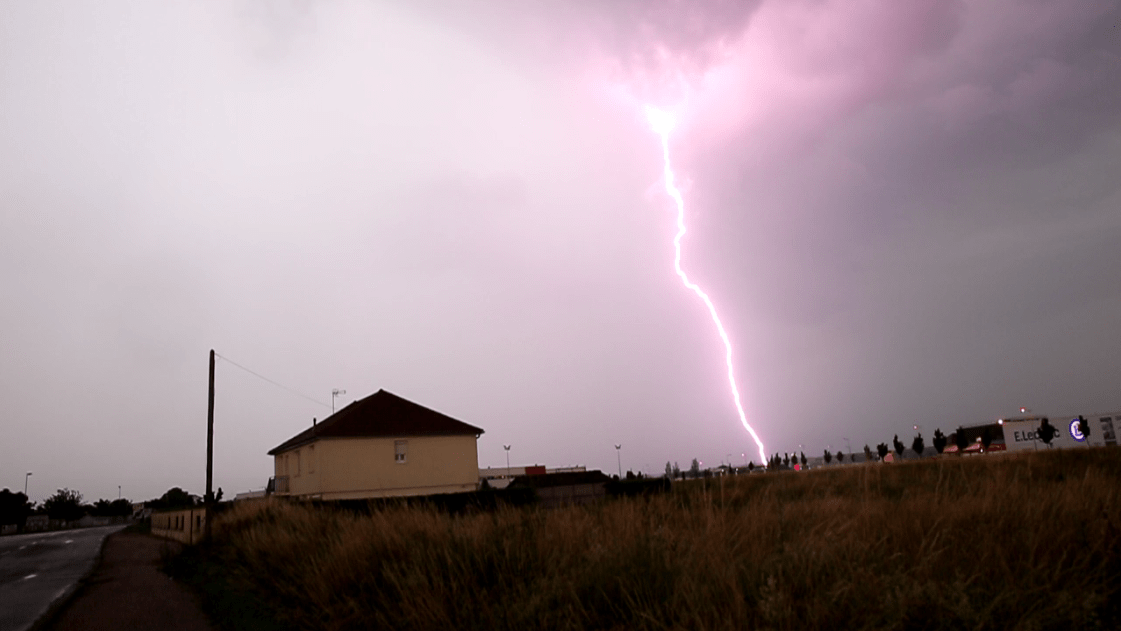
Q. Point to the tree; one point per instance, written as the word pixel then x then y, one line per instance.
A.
pixel 676 471
pixel 669 470
pixel 939 441
pixel 899 446
pixel 840 456
pixel 883 450
pixel 65 505
pixel 918 445
pixel 986 437
pixel 695 469
pixel 174 498
pixel 1047 431
pixel 114 508
pixel 750 466
pixel 828 457
pixel 786 460
pixel 14 507
pixel 804 461
pixel 960 440
pixel 867 453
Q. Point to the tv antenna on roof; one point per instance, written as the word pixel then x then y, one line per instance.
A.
pixel 335 393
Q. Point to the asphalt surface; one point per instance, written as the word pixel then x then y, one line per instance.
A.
pixel 38 570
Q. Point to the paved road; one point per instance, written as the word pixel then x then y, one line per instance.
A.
pixel 37 569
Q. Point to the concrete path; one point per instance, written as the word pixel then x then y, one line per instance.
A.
pixel 41 569
pixel 128 591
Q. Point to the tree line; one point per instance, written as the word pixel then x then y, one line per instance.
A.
pixel 69 505
pixel 939 441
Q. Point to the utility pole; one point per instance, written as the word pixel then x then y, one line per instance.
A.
pixel 619 457
pixel 25 483
pixel 210 445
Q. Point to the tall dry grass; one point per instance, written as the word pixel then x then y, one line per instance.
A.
pixel 1016 541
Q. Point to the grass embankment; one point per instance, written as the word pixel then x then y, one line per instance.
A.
pixel 1026 541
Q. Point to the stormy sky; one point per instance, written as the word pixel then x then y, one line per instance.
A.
pixel 906 213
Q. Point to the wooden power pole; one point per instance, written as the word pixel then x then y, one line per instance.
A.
pixel 209 501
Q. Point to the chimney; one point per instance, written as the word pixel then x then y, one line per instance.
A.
pixel 313 421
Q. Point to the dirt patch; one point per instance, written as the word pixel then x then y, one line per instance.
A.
pixel 128 591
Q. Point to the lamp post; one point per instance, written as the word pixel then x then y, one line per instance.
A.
pixel 619 457
pixel 118 491
pixel 25 483
pixel 507 448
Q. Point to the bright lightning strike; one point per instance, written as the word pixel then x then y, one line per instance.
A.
pixel 662 123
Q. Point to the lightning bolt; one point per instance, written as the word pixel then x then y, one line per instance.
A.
pixel 662 123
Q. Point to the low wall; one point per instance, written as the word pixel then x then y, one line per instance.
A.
pixel 184 525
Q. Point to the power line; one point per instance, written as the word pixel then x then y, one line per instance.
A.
pixel 278 385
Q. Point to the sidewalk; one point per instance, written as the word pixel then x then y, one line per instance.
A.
pixel 128 591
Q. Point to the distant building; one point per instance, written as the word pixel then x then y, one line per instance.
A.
pixel 500 477
pixel 36 523
pixel 250 495
pixel 380 446
pixel 1023 433
pixel 562 489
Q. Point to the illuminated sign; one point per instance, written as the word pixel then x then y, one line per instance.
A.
pixel 1076 431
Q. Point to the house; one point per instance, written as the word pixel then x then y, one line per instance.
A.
pixel 380 446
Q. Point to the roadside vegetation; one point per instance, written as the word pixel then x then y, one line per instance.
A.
pixel 1025 541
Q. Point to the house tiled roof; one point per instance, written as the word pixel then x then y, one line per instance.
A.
pixel 380 415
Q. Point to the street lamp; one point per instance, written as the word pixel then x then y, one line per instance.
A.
pixel 118 491
pixel 25 483
pixel 507 448
pixel 619 457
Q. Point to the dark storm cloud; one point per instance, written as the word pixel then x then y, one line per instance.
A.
pixel 904 212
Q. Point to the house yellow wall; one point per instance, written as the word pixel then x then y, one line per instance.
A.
pixel 353 468
pixel 186 525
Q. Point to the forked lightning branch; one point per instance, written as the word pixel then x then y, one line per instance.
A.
pixel 663 123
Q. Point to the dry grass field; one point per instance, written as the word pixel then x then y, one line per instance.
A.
pixel 1027 541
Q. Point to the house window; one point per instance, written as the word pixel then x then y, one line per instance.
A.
pixel 400 449
pixel 311 459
